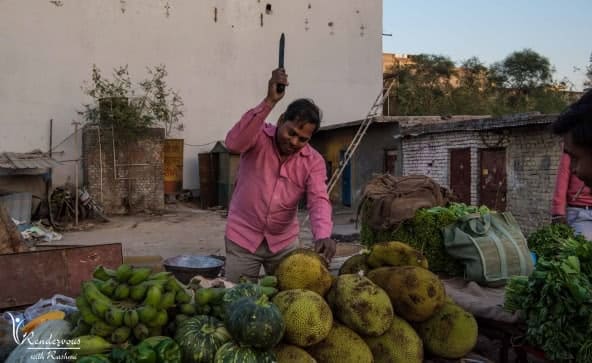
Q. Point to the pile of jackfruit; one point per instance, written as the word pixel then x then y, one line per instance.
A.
pixel 385 306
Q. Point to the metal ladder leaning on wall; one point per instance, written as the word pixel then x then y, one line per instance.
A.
pixel 375 110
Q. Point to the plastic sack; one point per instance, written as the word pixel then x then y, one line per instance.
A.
pixel 57 302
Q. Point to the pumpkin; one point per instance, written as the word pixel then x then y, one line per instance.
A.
pixel 53 330
pixel 255 322
pixel 200 337
pixel 241 290
pixel 231 352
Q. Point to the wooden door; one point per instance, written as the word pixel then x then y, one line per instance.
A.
pixel 208 177
pixel 460 174
pixel 493 181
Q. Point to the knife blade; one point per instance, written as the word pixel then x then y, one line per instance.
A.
pixel 280 87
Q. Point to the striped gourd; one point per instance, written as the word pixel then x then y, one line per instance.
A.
pixel 200 337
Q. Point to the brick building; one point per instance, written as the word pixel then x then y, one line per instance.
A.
pixel 505 163
pixel 124 175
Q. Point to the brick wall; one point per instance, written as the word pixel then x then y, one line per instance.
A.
pixel 532 156
pixel 137 184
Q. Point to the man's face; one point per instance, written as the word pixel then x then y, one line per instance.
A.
pixel 293 135
pixel 581 159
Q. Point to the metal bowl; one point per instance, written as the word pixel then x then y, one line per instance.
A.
pixel 184 267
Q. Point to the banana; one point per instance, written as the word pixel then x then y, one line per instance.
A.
pixel 99 307
pixel 138 292
pixel 182 297
pixel 101 329
pixel 114 316
pixel 92 293
pixel 103 273
pixel 121 334
pixel 153 296
pixel 108 287
pixel 121 292
pixel 187 309
pixel 123 272
pixel 91 344
pixel 172 284
pixel 146 313
pixel 139 274
pixel 164 275
pixel 131 318
pixel 160 320
pixel 141 332
pixel 87 315
pixel 167 300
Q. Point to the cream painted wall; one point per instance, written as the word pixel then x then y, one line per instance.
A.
pixel 220 68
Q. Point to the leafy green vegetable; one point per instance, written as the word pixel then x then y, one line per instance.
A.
pixel 549 240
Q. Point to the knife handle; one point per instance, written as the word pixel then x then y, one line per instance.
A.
pixel 280 88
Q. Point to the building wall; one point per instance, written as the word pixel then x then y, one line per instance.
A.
pixel 366 162
pixel 129 181
pixel 532 157
pixel 219 55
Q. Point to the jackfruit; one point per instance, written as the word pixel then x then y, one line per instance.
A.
pixel 400 344
pixel 342 345
pixel 361 305
pixel 286 353
pixel 303 269
pixel 450 333
pixel 395 254
pixel 354 265
pixel 416 293
pixel 307 316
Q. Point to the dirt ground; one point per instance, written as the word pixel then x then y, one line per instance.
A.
pixel 181 228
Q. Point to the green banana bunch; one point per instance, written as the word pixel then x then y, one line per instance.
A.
pixel 123 273
pixel 91 293
pixel 85 310
pixel 121 334
pixel 138 292
pixel 164 275
pixel 100 307
pixel 187 309
pixel 160 320
pixel 172 284
pixel 122 291
pixel 153 296
pixel 146 313
pixel 102 329
pixel 102 273
pixel 131 318
pixel 141 331
pixel 139 274
pixel 182 297
pixel 114 316
pixel 107 287
pixel 167 300
pixel 91 344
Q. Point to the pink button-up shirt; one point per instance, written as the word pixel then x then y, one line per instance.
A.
pixel 569 189
pixel 265 199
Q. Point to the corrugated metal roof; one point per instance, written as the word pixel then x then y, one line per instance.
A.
pixel 520 120
pixel 34 160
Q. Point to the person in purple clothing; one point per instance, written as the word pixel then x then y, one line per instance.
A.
pixel 277 168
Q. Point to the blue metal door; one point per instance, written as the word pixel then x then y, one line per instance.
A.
pixel 345 181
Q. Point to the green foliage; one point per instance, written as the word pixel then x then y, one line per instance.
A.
pixel 431 85
pixel 423 233
pixel 116 104
pixel 548 241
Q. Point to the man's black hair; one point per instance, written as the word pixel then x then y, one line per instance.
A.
pixel 577 120
pixel 304 110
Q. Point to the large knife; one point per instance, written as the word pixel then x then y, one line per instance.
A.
pixel 280 87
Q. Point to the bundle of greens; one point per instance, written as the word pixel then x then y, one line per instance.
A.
pixel 556 302
pixel 459 210
pixel 548 241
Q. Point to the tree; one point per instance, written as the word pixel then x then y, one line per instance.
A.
pixel 522 70
pixel 588 82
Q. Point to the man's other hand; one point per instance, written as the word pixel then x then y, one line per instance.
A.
pixel 326 248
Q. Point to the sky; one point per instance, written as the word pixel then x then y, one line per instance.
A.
pixel 493 29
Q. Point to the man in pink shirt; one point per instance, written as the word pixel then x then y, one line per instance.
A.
pixel 572 201
pixel 575 125
pixel 277 168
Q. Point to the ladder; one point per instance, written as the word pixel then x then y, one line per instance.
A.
pixel 375 110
